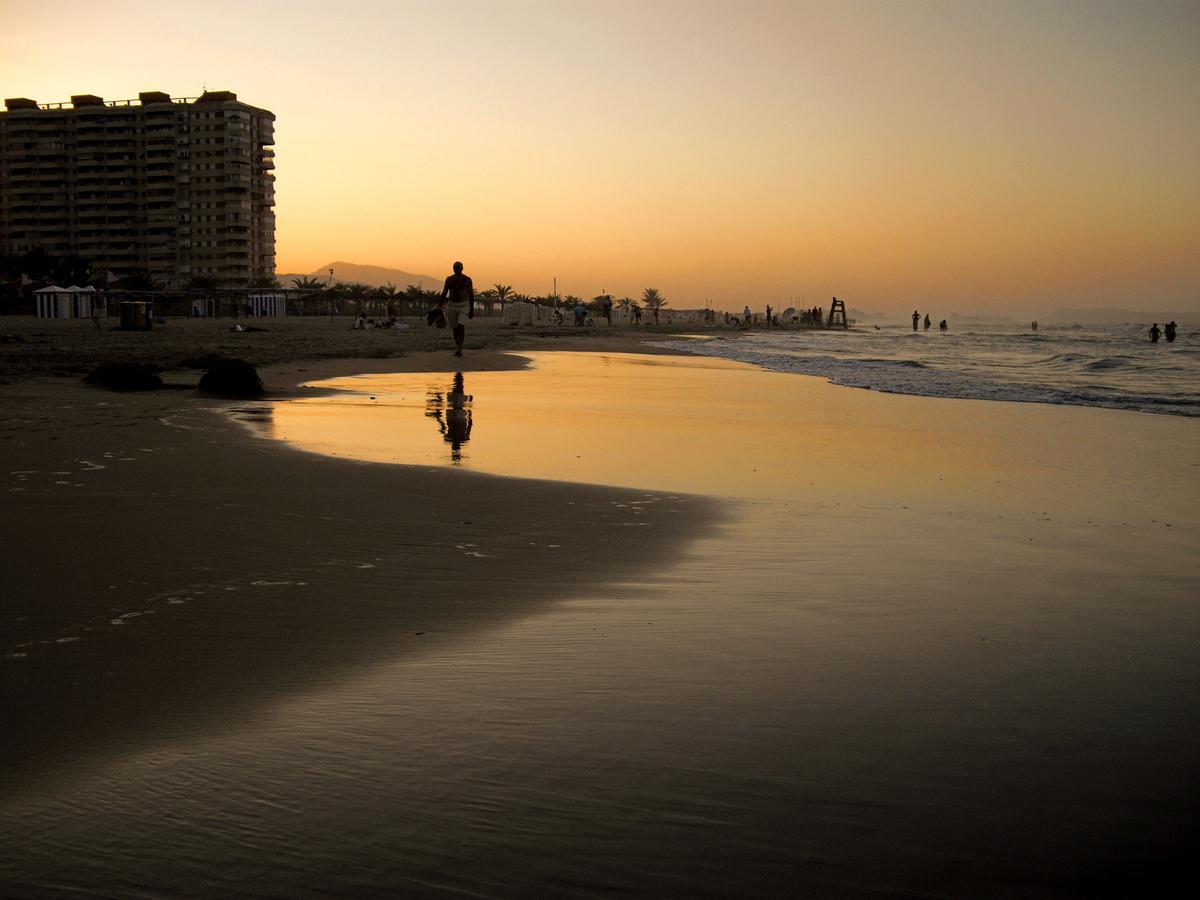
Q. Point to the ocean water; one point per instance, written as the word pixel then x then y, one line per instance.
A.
pixel 1110 366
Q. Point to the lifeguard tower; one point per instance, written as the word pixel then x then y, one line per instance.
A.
pixel 837 315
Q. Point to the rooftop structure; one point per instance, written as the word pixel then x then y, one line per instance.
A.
pixel 177 188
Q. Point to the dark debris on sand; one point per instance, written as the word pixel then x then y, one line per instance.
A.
pixel 126 376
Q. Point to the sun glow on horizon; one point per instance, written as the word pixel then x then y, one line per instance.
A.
pixel 1019 155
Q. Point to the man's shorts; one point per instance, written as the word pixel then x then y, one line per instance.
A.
pixel 456 313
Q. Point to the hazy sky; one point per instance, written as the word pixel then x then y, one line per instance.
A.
pixel 962 155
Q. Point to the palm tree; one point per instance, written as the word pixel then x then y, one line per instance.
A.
pixel 653 301
pixel 488 299
pixel 266 282
pixel 625 304
pixel 308 284
pixel 418 298
pixel 503 293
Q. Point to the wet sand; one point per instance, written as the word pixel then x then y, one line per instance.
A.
pixel 163 571
pixel 917 646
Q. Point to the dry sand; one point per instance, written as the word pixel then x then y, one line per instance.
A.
pixel 948 649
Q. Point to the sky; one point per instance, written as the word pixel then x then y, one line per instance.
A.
pixel 987 156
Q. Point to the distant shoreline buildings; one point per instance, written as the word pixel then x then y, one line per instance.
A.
pixel 178 189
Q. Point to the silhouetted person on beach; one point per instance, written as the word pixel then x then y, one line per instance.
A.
pixel 927 322
pixel 1169 331
pixel 916 319
pixel 1034 325
pixel 768 316
pixel 1155 333
pixel 942 326
pixel 458 298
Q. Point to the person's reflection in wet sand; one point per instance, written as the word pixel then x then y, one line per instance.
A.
pixel 452 411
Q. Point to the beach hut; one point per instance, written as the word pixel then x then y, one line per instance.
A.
pixel 520 313
pixel 204 307
pixel 267 305
pixel 54 302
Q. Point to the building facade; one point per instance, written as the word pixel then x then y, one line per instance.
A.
pixel 174 188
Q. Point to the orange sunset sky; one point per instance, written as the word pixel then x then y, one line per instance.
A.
pixel 994 156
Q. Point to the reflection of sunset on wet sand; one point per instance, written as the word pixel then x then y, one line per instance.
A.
pixel 708 426
pixel 903 629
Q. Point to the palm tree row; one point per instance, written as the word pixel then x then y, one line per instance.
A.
pixel 652 298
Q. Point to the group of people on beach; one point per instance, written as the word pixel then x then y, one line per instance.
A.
pixel 916 320
pixel 810 317
pixel 1167 331
pixel 362 323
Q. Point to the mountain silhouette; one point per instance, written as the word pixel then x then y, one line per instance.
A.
pixel 375 276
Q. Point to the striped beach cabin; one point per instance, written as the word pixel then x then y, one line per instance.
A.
pixel 54 302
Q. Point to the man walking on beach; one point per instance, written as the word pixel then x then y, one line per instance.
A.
pixel 458 295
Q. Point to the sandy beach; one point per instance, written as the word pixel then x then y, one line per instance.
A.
pixel 667 625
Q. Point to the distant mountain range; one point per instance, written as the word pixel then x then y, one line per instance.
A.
pixel 375 276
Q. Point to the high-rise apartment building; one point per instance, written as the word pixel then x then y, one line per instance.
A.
pixel 175 188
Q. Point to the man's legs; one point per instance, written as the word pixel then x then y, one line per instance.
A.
pixel 456 318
